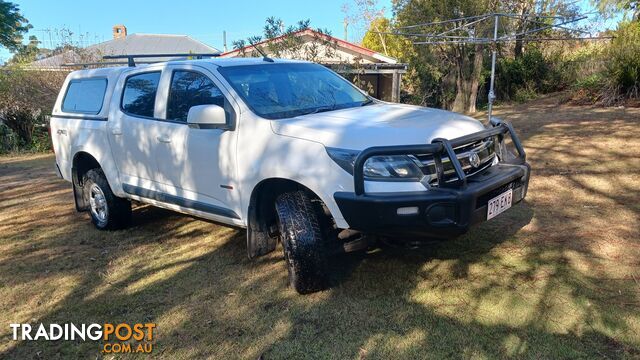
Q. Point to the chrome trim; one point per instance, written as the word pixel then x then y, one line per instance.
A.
pixel 463 157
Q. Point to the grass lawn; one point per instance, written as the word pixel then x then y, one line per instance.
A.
pixel 558 276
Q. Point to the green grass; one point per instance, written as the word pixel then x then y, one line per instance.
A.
pixel 555 277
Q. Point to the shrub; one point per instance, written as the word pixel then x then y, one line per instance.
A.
pixel 623 65
pixel 9 140
pixel 588 90
pixel 524 94
pixel 521 78
pixel 26 96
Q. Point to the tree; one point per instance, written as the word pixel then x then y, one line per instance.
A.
pixel 527 18
pixel 285 42
pixel 12 25
pixel 26 53
pixel 380 39
pixel 611 8
pixel 367 15
pixel 456 68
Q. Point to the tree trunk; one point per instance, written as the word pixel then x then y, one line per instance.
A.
pixel 382 40
pixel 459 104
pixel 522 27
pixel 461 97
pixel 475 78
pixel 517 50
pixel 467 85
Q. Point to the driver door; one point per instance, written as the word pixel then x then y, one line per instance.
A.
pixel 196 164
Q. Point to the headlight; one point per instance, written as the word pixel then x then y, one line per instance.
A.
pixel 379 168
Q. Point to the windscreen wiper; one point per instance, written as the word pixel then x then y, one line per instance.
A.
pixel 366 102
pixel 320 109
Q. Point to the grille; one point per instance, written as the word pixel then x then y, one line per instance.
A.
pixel 484 149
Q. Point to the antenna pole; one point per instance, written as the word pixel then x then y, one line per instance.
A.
pixel 224 40
pixel 494 50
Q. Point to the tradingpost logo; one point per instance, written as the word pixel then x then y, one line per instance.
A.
pixel 116 338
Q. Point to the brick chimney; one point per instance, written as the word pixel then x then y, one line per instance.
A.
pixel 119 31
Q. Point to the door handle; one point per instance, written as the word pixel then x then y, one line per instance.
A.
pixel 163 139
pixel 62 132
pixel 116 131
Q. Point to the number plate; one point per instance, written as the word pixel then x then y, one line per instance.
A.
pixel 499 204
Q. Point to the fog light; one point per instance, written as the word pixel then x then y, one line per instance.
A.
pixel 411 210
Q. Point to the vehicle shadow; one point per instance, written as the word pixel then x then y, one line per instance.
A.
pixel 478 241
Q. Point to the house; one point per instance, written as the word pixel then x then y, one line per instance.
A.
pixel 376 73
pixel 125 44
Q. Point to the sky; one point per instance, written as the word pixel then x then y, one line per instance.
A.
pixel 91 21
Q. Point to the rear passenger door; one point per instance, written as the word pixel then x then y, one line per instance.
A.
pixel 133 130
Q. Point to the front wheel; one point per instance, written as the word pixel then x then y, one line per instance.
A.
pixel 303 242
pixel 108 212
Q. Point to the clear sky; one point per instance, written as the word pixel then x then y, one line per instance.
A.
pixel 91 21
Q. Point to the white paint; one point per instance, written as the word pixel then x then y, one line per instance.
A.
pixel 192 163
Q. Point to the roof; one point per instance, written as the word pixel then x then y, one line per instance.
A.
pixel 132 44
pixel 313 33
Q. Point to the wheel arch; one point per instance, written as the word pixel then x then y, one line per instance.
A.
pixel 82 162
pixel 261 214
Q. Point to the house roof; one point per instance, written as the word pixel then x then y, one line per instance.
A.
pixel 132 44
pixel 313 33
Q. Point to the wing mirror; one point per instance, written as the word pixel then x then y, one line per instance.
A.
pixel 207 117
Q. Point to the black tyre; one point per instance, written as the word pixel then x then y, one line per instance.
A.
pixel 107 211
pixel 303 242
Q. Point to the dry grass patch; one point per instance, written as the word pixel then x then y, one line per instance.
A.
pixel 555 277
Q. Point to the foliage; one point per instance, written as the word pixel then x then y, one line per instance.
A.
pixel 447 76
pixel 379 38
pixel 9 140
pixel 612 8
pixel 26 96
pixel 25 54
pixel 623 60
pixel 286 43
pixel 617 77
pixel 12 25
pixel 588 90
pixel 366 15
pixel 532 73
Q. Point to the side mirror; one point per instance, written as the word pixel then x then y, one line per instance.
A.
pixel 207 117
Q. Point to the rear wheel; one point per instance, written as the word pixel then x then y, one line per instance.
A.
pixel 303 242
pixel 108 212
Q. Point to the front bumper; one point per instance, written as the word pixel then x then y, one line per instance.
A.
pixel 445 211
pixel 442 212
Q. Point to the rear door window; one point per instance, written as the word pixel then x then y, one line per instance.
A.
pixel 139 96
pixel 84 96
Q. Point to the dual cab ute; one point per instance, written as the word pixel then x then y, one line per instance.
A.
pixel 288 150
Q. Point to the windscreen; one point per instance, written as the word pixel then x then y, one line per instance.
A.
pixel 277 91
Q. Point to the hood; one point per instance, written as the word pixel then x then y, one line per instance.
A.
pixel 377 125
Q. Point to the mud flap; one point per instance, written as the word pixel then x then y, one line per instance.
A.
pixel 258 240
pixel 78 192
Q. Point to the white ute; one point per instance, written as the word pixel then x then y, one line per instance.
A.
pixel 289 150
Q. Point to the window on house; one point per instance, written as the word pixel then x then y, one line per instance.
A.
pixel 139 96
pixel 84 96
